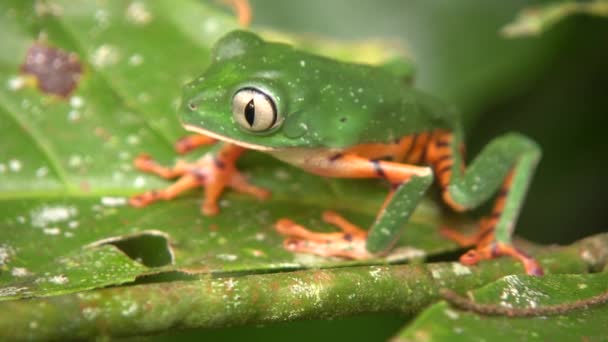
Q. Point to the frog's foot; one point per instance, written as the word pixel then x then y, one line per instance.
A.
pixel 350 243
pixel 211 172
pixel 496 249
pixel 488 248
pixel 484 235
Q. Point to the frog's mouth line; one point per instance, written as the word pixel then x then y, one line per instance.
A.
pixel 202 131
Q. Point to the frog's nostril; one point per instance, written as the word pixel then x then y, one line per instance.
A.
pixel 192 106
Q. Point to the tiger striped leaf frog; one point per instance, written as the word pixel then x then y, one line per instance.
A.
pixel 339 119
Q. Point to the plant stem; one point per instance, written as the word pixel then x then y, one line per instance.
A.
pixel 266 298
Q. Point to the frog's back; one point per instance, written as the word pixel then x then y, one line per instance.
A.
pixel 348 103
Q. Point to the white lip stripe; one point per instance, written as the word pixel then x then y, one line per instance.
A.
pixel 226 139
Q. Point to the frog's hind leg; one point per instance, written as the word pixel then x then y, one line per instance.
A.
pixel 505 168
pixel 341 244
pixel 409 185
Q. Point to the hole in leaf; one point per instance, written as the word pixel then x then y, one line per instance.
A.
pixel 164 277
pixel 446 256
pixel 150 248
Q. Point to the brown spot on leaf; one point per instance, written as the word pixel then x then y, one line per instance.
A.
pixel 56 71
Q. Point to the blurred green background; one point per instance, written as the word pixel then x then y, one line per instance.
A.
pixel 553 88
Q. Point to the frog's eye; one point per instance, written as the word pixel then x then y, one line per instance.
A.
pixel 254 110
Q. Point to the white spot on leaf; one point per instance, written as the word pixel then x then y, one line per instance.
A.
pixel 19 272
pixel 59 279
pixel 46 215
pixel 42 172
pixel 138 14
pixel 15 83
pixel 15 165
pixel 113 201
pixel 76 102
pixel 52 231
pixel 459 269
pixel 105 55
pixel 136 60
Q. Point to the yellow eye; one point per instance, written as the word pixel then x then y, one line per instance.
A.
pixel 254 110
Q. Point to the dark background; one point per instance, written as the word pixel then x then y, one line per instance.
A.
pixel 553 88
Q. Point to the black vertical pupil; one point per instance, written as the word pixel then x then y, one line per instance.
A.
pixel 250 112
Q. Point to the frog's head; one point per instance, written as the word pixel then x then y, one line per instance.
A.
pixel 242 97
pixel 270 96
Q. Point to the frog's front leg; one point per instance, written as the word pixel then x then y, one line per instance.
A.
pixel 191 142
pixel 409 184
pixel 215 171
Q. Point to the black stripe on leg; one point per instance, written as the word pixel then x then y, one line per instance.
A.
pixel 335 157
pixel 378 168
pixel 496 215
pixel 444 169
pixel 218 163
pixel 442 159
pixel 502 193
pixel 411 147
pixel 494 250
pixel 484 234
pixel 442 143
pixel 425 148
pixel 199 176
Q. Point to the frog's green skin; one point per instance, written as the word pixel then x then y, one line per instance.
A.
pixel 331 114
pixel 323 102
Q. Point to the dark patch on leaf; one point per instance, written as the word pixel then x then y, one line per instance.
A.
pixel 56 71
pixel 164 277
pixel 150 248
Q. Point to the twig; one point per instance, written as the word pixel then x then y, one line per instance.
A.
pixel 467 304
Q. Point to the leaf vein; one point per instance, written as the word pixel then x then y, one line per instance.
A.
pixel 41 143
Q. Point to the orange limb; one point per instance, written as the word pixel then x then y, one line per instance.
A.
pixel 351 242
pixel 185 183
pixel 215 173
pixel 409 149
pixel 497 249
pixel 487 248
pixel 145 163
pixel 191 142
pixel 485 245
pixel 242 10
pixel 348 244
pixel 483 236
pixel 349 165
pixel 439 154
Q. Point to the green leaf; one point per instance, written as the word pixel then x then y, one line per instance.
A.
pixel 66 169
pixel 536 20
pixel 211 301
pixel 91 265
pixel 441 322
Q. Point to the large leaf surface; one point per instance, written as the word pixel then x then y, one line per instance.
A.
pixel 66 162
pixel 443 323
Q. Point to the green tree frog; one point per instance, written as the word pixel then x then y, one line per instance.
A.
pixel 338 119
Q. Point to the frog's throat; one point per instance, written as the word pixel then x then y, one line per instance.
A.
pixel 247 145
